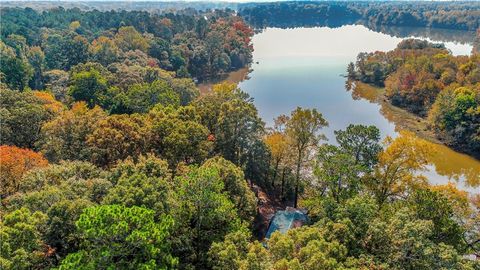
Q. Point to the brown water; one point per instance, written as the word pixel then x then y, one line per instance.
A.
pixel 303 67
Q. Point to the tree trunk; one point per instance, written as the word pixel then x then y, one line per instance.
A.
pixel 297 178
pixel 283 182
pixel 275 174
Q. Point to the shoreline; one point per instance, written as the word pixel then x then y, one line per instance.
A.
pixel 403 119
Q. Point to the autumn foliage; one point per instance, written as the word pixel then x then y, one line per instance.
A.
pixel 14 162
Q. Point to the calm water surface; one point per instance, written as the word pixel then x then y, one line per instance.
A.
pixel 303 67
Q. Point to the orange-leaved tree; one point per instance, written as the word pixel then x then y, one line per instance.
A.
pixel 14 162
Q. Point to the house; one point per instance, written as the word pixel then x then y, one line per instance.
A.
pixel 286 219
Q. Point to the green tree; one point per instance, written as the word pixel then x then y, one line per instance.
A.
pixel 403 237
pixel 177 136
pixel 42 188
pixel 231 116
pixel 337 173
pixel 36 57
pixel 186 90
pixel 15 71
pixel 302 129
pixel 145 183
pixel 361 142
pixel 21 232
pixel 23 115
pixel 432 205
pixel 61 234
pixel 455 115
pixel 65 50
pixel 206 214
pixel 122 237
pixel 104 50
pixel 235 186
pixel 89 86
pixel 351 71
pixel 237 252
pixel 73 172
pixel 140 98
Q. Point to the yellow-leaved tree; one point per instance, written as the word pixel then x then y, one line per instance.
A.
pixel 399 166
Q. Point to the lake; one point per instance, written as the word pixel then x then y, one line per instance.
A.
pixel 304 67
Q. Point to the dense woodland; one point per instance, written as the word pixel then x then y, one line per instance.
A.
pixel 192 43
pixel 448 15
pixel 426 79
pixel 111 159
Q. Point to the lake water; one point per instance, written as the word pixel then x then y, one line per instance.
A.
pixel 303 67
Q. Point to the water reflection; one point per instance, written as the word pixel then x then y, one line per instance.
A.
pixel 236 76
pixel 303 67
pixel 439 35
pixel 448 164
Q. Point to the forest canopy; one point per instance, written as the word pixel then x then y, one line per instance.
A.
pixel 111 158
pixel 197 44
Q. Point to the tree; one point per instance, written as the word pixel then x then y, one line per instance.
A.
pixel 340 169
pixel 455 115
pixel 48 101
pixel 235 186
pixel 160 49
pixel 61 234
pixel 141 98
pixel 128 39
pixel 302 129
pixel 177 136
pixel 15 70
pixel 361 142
pixel 433 205
pixel 22 245
pixel 104 51
pixel 236 252
pixel 145 183
pixel 277 143
pixel 472 226
pixel 117 137
pixel 64 137
pixel 207 214
pixel 122 237
pixel 36 57
pixel 351 71
pixel 15 162
pixel 89 86
pixel 337 173
pixel 57 82
pixel 398 167
pixel 65 50
pixel 413 87
pixel 233 120
pixel 70 173
pixel 186 90
pixel 403 237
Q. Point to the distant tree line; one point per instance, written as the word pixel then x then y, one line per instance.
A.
pixel 450 15
pixel 192 44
